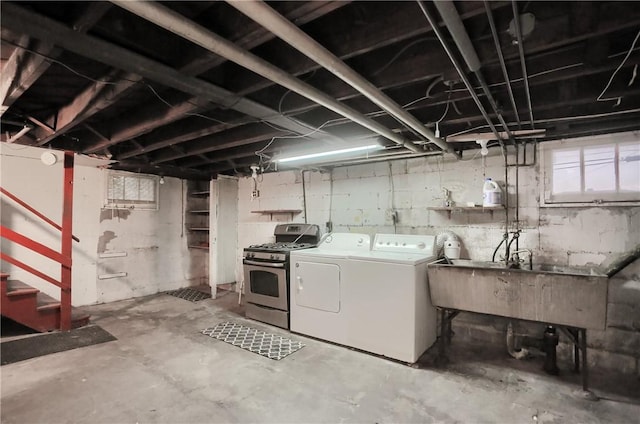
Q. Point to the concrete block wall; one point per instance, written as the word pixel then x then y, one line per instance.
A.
pixel 358 198
pixel 154 242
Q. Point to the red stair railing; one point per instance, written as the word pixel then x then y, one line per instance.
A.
pixel 64 256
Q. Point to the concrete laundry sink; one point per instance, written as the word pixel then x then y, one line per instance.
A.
pixel 556 295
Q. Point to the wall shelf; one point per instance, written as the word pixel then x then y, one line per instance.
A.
pixel 272 212
pixel 200 193
pixel 199 229
pixel 199 247
pixel 460 209
pixel 200 211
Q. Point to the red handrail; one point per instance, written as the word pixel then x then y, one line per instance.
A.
pixel 32 210
pixel 34 245
pixel 27 268
pixel 64 256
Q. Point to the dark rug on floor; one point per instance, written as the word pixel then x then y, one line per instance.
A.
pixel 45 344
pixel 270 345
pixel 191 295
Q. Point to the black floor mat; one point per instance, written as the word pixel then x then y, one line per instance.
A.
pixel 191 295
pixel 32 347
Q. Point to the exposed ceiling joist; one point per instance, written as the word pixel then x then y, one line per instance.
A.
pixel 37 26
pixel 159 103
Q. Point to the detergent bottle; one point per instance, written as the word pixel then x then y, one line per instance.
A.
pixel 491 193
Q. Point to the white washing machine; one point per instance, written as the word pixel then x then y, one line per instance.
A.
pixel 317 278
pixel 386 297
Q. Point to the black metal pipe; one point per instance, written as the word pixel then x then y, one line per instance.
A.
pixel 517 214
pixel 525 77
pixel 516 234
pixel 503 65
pixel 504 237
pixel 436 30
pixel 456 28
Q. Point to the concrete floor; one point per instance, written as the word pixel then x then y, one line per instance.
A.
pixel 161 369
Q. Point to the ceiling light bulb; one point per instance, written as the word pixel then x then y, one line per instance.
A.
pixel 161 180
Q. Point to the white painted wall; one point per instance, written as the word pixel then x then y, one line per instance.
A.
pixel 223 234
pixel 154 242
pixel 356 199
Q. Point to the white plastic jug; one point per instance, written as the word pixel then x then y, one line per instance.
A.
pixel 491 193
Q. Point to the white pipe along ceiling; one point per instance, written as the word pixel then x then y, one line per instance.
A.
pixel 179 25
pixel 150 84
pixel 289 32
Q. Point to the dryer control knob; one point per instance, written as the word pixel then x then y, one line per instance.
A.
pixel 421 245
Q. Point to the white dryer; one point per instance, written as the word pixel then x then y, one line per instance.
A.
pixel 317 278
pixel 386 297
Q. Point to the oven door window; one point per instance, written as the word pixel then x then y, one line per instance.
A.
pixel 264 283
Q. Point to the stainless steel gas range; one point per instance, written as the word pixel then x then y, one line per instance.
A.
pixel 266 272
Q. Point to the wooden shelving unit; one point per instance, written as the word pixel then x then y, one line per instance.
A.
pixel 197 215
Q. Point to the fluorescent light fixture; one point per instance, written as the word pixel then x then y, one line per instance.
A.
pixel 329 153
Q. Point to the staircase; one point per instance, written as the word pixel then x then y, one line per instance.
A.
pixel 23 303
pixel 34 309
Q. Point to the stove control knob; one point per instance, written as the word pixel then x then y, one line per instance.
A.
pixel 272 256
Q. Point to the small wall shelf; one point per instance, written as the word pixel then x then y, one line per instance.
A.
pixel 200 193
pixel 200 211
pixel 450 209
pixel 272 212
pixel 199 247
pixel 199 228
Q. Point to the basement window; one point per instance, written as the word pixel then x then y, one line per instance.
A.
pixel 601 170
pixel 131 191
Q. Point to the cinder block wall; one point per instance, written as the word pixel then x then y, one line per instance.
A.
pixel 150 247
pixel 357 198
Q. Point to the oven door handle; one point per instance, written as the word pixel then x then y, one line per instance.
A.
pixel 264 264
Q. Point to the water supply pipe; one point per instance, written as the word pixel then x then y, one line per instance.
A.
pixel 301 41
pixel 197 34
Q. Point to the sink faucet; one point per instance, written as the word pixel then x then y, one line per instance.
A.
pixel 515 258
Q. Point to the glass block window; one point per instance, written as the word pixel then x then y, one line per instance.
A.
pixel 131 191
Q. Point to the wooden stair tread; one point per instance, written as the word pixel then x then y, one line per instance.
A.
pixel 18 288
pixel 46 314
pixel 47 302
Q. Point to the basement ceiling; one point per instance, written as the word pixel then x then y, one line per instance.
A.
pixel 196 89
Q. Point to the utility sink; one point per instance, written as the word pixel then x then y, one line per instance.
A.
pixel 575 297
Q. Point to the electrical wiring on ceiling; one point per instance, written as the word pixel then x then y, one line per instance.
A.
pixel 156 94
pixel 401 52
pixel 618 99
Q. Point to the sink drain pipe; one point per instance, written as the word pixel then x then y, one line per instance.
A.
pixel 518 354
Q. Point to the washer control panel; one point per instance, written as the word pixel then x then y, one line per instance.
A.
pixel 404 243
